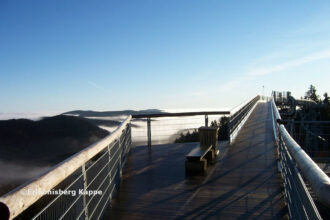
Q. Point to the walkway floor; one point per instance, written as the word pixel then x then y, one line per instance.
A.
pixel 243 184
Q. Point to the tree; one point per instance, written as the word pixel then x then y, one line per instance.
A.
pixel 326 99
pixel 311 94
pixel 214 124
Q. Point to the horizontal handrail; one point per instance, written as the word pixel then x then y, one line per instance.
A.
pixel 177 114
pixel 306 122
pixel 318 180
pixel 235 117
pixel 239 115
pixel 239 106
pixel 18 200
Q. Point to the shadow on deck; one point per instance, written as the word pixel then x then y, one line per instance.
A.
pixel 244 183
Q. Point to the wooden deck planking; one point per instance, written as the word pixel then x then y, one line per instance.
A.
pixel 243 184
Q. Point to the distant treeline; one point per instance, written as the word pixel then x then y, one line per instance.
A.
pixel 318 112
pixel 193 136
pixel 313 138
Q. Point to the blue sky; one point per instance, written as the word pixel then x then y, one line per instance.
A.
pixel 63 55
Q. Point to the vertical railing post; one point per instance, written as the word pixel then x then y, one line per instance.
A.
pixel 292 128
pixel 228 129
pixel 149 131
pixel 307 140
pixel 121 148
pixel 206 120
pixel 130 136
pixel 85 189
pixel 110 177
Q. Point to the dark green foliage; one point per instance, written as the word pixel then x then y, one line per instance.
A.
pixel 313 138
pixel 321 111
pixel 194 136
pixel 188 137
pixel 326 99
pixel 223 129
pixel 311 94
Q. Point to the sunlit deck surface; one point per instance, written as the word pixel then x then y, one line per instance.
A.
pixel 244 183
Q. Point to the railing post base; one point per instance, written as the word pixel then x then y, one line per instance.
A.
pixel 149 131
pixel 83 169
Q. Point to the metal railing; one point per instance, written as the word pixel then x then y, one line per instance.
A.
pixel 296 168
pixel 173 124
pixel 82 186
pixel 78 188
pixel 166 127
pixel 237 119
pixel 312 136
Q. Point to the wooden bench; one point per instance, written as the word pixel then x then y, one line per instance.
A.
pixel 206 151
pixel 209 135
pixel 197 159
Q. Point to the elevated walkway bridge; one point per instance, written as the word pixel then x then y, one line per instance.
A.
pixel 261 172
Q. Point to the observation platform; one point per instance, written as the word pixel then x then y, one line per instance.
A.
pixel 243 184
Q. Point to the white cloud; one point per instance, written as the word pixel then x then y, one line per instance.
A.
pixel 96 86
pixel 232 84
pixel 257 71
pixel 247 84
